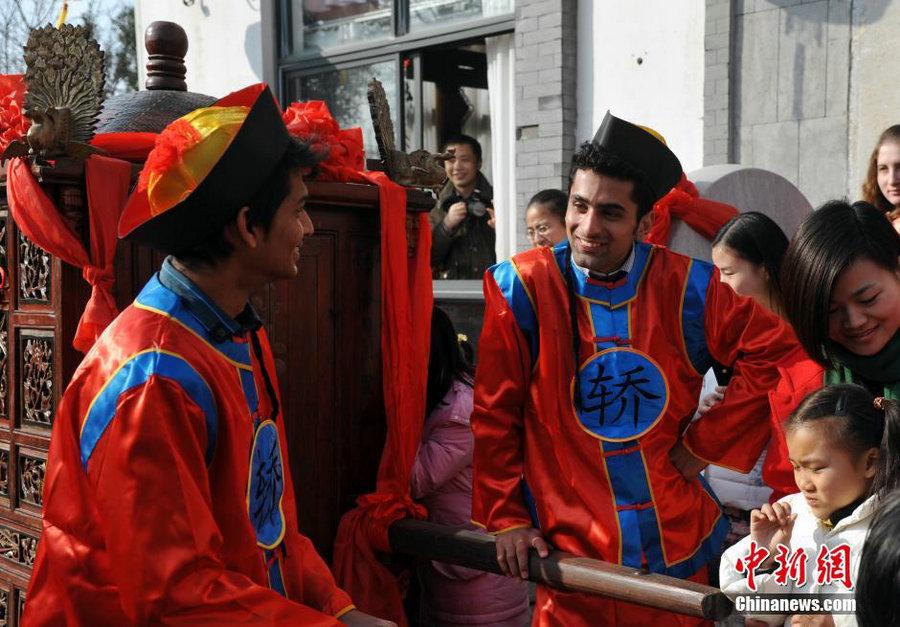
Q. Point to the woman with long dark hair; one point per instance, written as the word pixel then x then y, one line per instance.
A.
pixel 442 480
pixel 841 293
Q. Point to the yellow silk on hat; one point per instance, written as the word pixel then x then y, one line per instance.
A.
pixel 654 133
pixel 186 152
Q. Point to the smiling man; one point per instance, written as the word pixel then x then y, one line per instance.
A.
pixel 591 361
pixel 462 221
pixel 168 498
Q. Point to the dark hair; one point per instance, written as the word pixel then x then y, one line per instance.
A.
pixel 555 199
pixel 590 156
pixel 828 240
pixel 878 577
pixel 755 237
pixel 870 190
pixel 857 425
pixel 447 361
pixel 465 139
pixel 263 205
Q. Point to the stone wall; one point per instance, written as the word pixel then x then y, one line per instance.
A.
pixel 790 71
pixel 545 98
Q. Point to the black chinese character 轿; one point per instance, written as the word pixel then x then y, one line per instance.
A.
pixel 611 390
pixel 268 482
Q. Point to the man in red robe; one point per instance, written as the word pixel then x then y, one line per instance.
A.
pixel 168 497
pixel 590 366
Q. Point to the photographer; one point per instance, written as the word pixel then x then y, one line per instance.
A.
pixel 462 220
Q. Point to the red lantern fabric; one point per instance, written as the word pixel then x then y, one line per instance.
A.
pixel 13 125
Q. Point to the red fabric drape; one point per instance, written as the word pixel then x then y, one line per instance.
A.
pixel 129 146
pixel 684 202
pixel 38 218
pixel 406 301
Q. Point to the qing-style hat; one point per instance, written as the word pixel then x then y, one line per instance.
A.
pixel 204 167
pixel 644 150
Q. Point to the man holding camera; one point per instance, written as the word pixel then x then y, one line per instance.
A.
pixel 462 221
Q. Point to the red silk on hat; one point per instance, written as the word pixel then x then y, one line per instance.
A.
pixel 684 202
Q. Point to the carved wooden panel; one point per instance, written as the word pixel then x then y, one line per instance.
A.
pixel 35 380
pixel 17 547
pixel 4 472
pixel 4 363
pixel 31 471
pixel 4 604
pixel 3 257
pixel 35 268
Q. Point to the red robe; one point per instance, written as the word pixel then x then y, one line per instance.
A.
pixel 601 477
pixel 160 507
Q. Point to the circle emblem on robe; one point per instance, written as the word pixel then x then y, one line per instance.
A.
pixel 623 394
pixel 266 487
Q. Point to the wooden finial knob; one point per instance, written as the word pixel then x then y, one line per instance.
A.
pixel 166 44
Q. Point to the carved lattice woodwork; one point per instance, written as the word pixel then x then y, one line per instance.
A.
pixel 36 379
pixel 4 472
pixel 4 604
pixel 35 266
pixel 9 545
pixel 4 364
pixel 27 549
pixel 31 471
pixel 3 264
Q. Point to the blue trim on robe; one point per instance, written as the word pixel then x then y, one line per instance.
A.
pixel 599 291
pixel 510 284
pixel 158 297
pixel 693 314
pixel 248 383
pixel 134 372
pixel 630 487
pixel 276 581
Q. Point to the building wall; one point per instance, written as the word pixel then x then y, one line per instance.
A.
pixel 874 89
pixel 644 61
pixel 225 48
pixel 791 71
pixel 546 87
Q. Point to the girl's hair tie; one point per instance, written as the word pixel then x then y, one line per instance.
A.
pixel 879 403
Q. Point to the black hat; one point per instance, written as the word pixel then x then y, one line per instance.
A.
pixel 642 150
pixel 205 166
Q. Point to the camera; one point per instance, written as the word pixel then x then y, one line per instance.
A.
pixel 475 205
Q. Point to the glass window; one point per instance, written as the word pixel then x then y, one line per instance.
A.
pixel 432 13
pixel 325 23
pixel 344 91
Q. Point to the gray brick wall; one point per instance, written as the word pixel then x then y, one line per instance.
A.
pixel 790 77
pixel 717 82
pixel 545 98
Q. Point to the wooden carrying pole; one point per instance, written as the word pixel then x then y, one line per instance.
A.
pixel 562 570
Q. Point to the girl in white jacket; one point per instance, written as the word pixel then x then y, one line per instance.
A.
pixel 843 445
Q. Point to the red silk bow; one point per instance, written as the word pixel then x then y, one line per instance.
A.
pixel 684 202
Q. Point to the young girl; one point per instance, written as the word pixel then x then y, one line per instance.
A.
pixel 843 445
pixel 442 480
